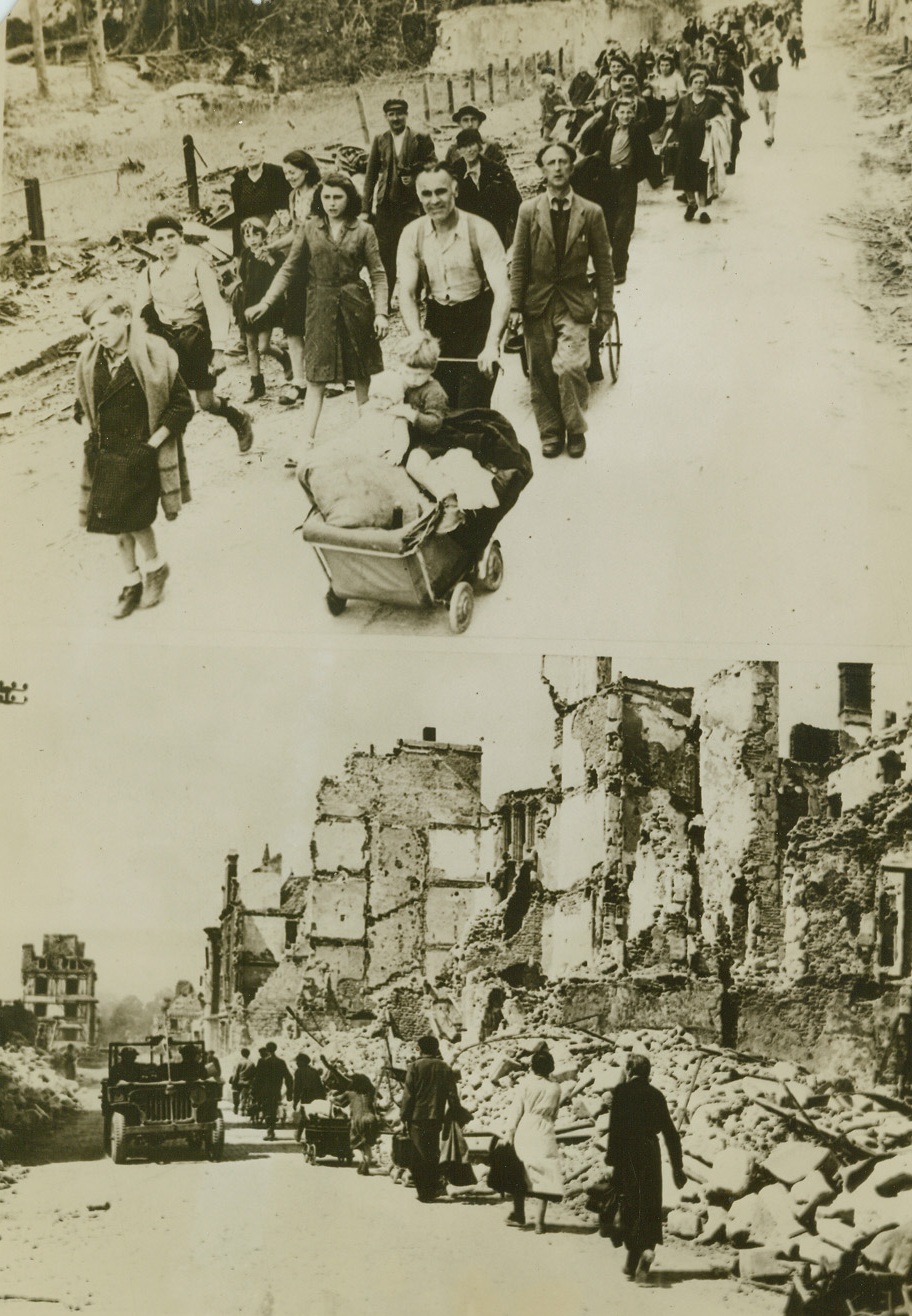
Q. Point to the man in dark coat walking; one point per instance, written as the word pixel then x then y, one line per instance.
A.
pixel 639 1113
pixel 619 156
pixel 430 1095
pixel 271 1073
pixel 390 201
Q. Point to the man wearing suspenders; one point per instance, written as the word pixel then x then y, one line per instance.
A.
pixel 461 263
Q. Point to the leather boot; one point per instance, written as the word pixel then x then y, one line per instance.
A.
pixel 257 389
pixel 239 422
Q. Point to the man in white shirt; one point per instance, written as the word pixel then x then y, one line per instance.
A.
pixel 178 297
pixel 461 262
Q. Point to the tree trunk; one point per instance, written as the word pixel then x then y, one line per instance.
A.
pixel 96 57
pixel 173 13
pixel 134 38
pixel 44 90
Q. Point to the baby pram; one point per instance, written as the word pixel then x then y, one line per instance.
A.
pixel 326 1136
pixel 415 566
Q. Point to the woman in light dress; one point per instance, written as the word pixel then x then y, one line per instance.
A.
pixel 531 1131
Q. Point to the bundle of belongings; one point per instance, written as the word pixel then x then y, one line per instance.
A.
pixel 385 475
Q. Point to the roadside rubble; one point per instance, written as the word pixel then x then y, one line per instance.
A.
pixel 31 1094
pixel 796 1178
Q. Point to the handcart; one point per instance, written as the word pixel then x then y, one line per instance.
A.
pixel 325 1136
pixel 604 350
pixel 415 567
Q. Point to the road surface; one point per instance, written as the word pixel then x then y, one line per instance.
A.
pixel 264 1234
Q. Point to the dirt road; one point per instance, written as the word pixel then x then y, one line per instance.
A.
pixel 747 479
pixel 264 1234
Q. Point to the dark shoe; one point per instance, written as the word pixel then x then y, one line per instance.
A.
pixel 576 445
pixel 292 394
pixel 257 389
pixel 769 141
pixel 729 168
pixel 705 217
pixel 619 279
pixel 515 1224
pixel 682 197
pixel 334 390
pixel 155 585
pixel 690 211
pixel 128 600
pixel 553 446
pixel 240 423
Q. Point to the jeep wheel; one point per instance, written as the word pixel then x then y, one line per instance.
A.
pixel 118 1138
pixel 215 1140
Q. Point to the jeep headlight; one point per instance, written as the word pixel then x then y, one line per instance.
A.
pixel 197 1094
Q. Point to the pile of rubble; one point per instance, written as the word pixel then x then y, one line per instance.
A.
pixel 800 1175
pixel 31 1093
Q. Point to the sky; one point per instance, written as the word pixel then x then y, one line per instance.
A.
pixel 131 772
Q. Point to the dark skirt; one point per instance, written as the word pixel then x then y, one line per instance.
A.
pixel 340 342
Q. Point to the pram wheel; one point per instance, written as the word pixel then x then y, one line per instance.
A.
pixel 611 345
pixel 462 605
pixel 490 571
pixel 336 605
pixel 310 1153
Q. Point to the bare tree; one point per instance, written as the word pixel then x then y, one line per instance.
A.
pixel 41 73
pixel 96 58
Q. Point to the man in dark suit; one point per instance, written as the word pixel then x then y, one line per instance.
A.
pixel 271 1075
pixel 483 187
pixel 556 234
pixel 620 156
pixel 430 1095
pixel 390 202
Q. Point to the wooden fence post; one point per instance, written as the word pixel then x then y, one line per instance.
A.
pixel 193 195
pixel 35 222
pixel 362 115
pixel 427 102
pixel 491 83
pixel 560 62
pixel 509 90
pixel 450 102
pixel 472 85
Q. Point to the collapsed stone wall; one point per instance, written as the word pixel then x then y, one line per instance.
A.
pixel 831 873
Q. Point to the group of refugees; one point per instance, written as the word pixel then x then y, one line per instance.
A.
pixel 437 230
pixel 525 1161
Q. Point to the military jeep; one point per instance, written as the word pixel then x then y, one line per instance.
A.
pixel 157 1091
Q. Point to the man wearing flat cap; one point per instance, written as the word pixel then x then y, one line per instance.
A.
pixel 395 158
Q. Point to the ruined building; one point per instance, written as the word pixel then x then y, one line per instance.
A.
pixel 676 869
pixel 58 986
pixel 401 851
pixel 180 1016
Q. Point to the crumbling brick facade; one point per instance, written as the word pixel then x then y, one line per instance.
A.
pixel 58 987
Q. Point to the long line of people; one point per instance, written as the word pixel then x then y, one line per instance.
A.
pixel 440 231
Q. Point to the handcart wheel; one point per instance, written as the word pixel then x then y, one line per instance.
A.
pixel 491 568
pixel 336 605
pixel 462 605
pixel 612 346
pixel 310 1153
